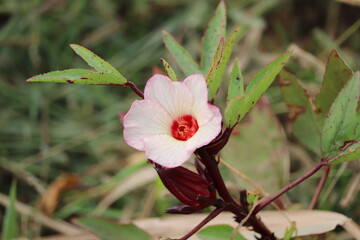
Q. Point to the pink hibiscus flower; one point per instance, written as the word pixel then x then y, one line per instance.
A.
pixel 173 120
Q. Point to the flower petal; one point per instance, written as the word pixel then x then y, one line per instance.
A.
pixel 200 110
pixel 145 117
pixel 174 97
pixel 166 150
pixel 207 132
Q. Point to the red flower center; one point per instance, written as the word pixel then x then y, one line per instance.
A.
pixel 184 127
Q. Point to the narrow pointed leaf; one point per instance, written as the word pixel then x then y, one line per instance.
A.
pixel 302 111
pixel 181 56
pixel 111 230
pixel 219 232
pixel 263 79
pixel 9 229
pixel 233 111
pixel 215 31
pixel 336 75
pixel 236 85
pixel 65 76
pixel 169 70
pixel 98 78
pixel 220 61
pixel 341 132
pixel 96 62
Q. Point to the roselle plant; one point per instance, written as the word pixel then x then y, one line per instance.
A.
pixel 176 120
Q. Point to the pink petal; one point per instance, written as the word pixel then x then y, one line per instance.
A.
pixel 166 150
pixel 197 85
pixel 145 117
pixel 206 132
pixel 174 97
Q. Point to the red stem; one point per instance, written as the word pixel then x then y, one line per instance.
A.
pixel 135 89
pixel 270 199
pixel 211 216
pixel 320 187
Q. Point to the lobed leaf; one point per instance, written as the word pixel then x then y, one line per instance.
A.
pixel 111 230
pixel 169 70
pixel 302 111
pixel 337 73
pixel 219 232
pixel 181 56
pixel 215 31
pixel 9 229
pixel 96 62
pixel 220 61
pixel 341 131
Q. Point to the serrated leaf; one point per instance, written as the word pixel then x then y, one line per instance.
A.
pixel 215 31
pixel 341 132
pixel 236 85
pixel 169 70
pixel 220 61
pixel 337 73
pixel 96 62
pixel 302 112
pixel 9 229
pixel 181 56
pixel 60 76
pixel 218 232
pixel 112 231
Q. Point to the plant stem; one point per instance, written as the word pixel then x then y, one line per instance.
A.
pixel 320 187
pixel 270 199
pixel 211 216
pixel 135 89
pixel 229 203
pixel 212 167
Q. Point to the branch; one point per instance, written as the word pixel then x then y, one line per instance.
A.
pixel 320 186
pixel 270 199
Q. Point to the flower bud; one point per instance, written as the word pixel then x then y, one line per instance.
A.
pixel 188 187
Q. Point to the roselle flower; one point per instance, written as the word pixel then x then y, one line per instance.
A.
pixel 173 120
pixel 188 187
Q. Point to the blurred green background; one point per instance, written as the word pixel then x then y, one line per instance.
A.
pixel 47 130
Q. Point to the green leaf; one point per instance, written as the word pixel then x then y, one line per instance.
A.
pixel 65 76
pixel 218 232
pixel 169 70
pixel 262 144
pixel 341 132
pixel 233 110
pixel 112 231
pixel 263 79
pixel 290 231
pixel 181 56
pixel 220 61
pixel 237 108
pixel 215 31
pixel 99 78
pixel 96 62
pixel 9 229
pixel 337 73
pixel 302 112
pixel 236 85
